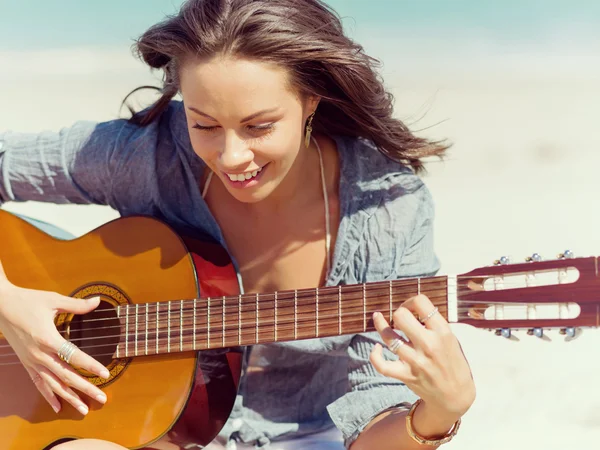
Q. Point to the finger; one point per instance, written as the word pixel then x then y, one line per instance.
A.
pixel 76 305
pixel 81 360
pixel 44 389
pixel 70 378
pixel 63 391
pixel 405 321
pixel 426 311
pixel 394 369
pixel 403 349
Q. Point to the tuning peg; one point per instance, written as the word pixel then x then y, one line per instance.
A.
pixel 571 333
pixel 539 333
pixel 534 258
pixel 506 333
pixel 502 261
pixel 567 254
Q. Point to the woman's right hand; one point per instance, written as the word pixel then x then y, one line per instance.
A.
pixel 27 322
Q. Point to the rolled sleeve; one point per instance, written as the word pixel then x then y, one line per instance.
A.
pixel 370 393
pixel 67 166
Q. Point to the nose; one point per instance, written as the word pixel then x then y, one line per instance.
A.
pixel 235 155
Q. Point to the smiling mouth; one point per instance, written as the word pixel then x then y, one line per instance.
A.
pixel 244 176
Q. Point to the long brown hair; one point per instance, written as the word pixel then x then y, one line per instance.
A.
pixel 305 37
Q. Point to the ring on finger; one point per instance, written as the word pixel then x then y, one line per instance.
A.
pixel 66 351
pixel 395 344
pixel 429 316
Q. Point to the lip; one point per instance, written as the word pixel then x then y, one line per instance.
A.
pixel 246 183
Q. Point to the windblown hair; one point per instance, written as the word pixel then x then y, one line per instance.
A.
pixel 306 38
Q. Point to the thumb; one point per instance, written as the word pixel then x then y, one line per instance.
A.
pixel 78 305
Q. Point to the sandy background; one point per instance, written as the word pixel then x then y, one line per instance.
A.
pixel 522 177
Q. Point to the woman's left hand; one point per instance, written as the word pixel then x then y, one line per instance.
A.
pixel 431 363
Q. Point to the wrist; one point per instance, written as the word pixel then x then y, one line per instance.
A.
pixel 430 422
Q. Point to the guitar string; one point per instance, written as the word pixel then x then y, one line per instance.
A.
pixel 249 327
pixel 309 294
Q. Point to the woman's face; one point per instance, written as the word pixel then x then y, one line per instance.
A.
pixel 246 122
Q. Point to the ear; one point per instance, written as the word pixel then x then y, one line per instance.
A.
pixel 312 102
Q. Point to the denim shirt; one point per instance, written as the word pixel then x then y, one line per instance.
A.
pixel 385 232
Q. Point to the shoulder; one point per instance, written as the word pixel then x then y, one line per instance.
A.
pixel 379 183
pixel 390 215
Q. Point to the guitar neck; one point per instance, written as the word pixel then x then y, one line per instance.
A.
pixel 249 319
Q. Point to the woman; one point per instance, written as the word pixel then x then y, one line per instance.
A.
pixel 283 117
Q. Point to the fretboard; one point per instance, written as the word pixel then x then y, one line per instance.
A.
pixel 248 319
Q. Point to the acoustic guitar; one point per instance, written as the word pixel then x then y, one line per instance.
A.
pixel 172 323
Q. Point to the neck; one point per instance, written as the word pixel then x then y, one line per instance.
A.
pixel 209 323
pixel 300 187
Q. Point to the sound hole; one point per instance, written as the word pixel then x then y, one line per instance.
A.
pixel 97 333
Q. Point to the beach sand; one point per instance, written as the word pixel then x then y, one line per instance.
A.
pixel 521 177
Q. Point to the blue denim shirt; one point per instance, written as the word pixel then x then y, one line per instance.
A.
pixel 385 232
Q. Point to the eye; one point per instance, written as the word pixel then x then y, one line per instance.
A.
pixel 264 127
pixel 203 128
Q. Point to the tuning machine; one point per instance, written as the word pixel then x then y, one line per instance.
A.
pixel 506 333
pixel 538 333
pixel 567 254
pixel 503 260
pixel 534 258
pixel 570 333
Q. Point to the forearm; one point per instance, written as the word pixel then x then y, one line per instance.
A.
pixel 388 430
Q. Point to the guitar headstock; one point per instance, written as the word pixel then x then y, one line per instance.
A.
pixel 536 295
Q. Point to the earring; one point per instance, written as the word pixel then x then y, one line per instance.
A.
pixel 308 130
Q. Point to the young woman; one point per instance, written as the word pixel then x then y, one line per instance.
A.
pixel 285 151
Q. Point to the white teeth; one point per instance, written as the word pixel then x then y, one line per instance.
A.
pixel 243 176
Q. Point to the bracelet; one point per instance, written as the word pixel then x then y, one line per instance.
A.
pixel 420 439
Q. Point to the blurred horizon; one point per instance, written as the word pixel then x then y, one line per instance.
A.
pixel 468 38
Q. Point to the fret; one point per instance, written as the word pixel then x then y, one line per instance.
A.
pixel 364 290
pixel 168 327
pixel 146 343
pixel 223 321
pixel 275 333
pixel 208 323
pixel 267 317
pixel 194 328
pixel 418 286
pixel 247 315
pixel 340 309
pixel 295 313
pixel 256 309
pixel 126 330
pixel 181 326
pixel 240 319
pixel 317 310
pixel 118 317
pixel 136 329
pixel 157 329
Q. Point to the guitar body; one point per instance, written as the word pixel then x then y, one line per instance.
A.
pixel 159 402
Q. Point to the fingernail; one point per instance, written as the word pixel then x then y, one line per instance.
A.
pixel 376 315
pixel 101 398
pixel 56 408
pixel 104 373
pixel 83 409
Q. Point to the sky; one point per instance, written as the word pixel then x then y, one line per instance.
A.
pixel 479 38
pixel 47 24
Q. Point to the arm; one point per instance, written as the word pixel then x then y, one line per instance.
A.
pixel 87 163
pixel 388 430
pixel 431 365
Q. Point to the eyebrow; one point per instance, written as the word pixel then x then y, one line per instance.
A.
pixel 245 119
